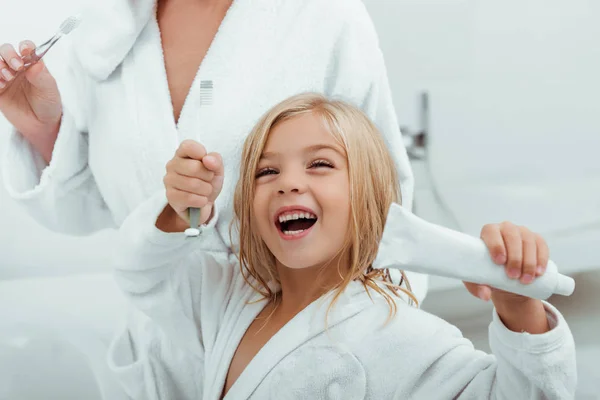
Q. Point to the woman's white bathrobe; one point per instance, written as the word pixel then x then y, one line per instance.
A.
pixel 196 309
pixel 118 131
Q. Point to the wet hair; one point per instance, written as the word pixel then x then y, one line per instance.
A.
pixel 373 188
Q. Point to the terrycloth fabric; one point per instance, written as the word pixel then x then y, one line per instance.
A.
pixel 195 308
pixel 118 130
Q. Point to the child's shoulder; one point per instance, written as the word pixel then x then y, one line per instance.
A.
pixel 410 330
pixel 396 352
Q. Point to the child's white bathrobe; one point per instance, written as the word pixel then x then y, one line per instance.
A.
pixel 196 309
pixel 118 131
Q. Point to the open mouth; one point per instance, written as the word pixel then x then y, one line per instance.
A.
pixel 295 223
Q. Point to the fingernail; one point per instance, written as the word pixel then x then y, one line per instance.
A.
pixel 539 270
pixel 16 63
pixel 7 75
pixel 482 294
pixel 527 278
pixel 514 273
pixel 500 258
pixel 2 85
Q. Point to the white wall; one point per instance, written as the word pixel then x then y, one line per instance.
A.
pixel 511 79
pixel 514 87
pixel 501 74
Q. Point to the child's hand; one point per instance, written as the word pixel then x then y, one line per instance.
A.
pixel 523 254
pixel 193 179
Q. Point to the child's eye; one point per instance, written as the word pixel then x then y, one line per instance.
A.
pixel 265 171
pixel 321 163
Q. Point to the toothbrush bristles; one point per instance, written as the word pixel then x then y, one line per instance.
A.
pixel 69 25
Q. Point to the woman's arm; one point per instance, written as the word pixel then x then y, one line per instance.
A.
pixel 61 195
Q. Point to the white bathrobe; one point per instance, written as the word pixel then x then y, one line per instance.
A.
pixel 196 308
pixel 118 131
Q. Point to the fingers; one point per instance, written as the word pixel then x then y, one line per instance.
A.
pixel 191 149
pixel 543 255
pixel 482 292
pixel 26 47
pixel 189 185
pixel 9 65
pixel 529 265
pixel 194 178
pixel 190 168
pixel 180 201
pixel 492 237
pixel 514 249
pixel 213 162
pixel 3 82
pixel 11 58
pixel 523 252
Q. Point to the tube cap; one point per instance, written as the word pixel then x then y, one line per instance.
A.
pixel 565 286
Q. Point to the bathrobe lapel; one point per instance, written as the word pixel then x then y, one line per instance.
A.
pixel 141 70
pixel 108 31
pixel 308 324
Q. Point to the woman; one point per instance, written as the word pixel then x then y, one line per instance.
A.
pixel 298 313
pixel 83 157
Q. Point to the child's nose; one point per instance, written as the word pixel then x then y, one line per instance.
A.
pixel 292 183
pixel 281 191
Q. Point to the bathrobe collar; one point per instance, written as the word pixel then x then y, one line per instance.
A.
pixel 308 324
pixel 108 31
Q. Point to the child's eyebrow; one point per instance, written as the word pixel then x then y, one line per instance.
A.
pixel 318 147
pixel 308 150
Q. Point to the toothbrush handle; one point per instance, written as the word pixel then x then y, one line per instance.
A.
pixel 194 214
pixel 40 51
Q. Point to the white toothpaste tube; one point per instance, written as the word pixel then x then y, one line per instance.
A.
pixel 411 244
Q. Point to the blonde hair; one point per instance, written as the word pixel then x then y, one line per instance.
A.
pixel 373 188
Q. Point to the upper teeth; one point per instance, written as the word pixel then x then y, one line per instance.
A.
pixel 296 215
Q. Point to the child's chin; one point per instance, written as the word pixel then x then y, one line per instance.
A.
pixel 299 262
pixel 295 265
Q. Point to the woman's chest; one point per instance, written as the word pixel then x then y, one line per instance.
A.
pixel 132 129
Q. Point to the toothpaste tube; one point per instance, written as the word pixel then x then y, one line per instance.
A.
pixel 411 244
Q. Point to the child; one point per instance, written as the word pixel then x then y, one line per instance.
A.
pixel 299 313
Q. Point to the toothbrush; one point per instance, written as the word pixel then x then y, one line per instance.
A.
pixel 206 88
pixel 194 216
pixel 66 27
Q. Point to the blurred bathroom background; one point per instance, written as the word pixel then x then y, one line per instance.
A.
pixel 499 104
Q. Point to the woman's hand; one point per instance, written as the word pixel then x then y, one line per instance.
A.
pixel 193 179
pixel 524 255
pixel 29 98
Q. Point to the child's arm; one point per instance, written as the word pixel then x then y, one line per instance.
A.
pixel 170 277
pixel 180 288
pixel 165 274
pixel 523 366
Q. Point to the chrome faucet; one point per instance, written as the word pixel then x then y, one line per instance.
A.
pixel 416 141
